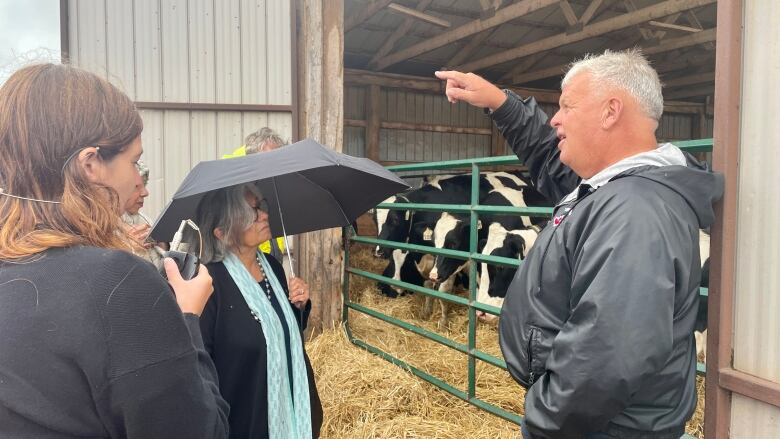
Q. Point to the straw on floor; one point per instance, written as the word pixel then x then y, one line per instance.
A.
pixel 365 396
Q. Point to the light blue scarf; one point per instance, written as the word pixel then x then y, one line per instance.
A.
pixel 289 415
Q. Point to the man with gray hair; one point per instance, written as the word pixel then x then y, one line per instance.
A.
pixel 598 321
pixel 264 139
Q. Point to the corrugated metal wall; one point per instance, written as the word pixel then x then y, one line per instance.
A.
pixel 399 145
pixel 756 326
pixel 189 51
pixel 418 146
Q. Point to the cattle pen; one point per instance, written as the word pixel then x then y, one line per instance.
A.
pixel 469 348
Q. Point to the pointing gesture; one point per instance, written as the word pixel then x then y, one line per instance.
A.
pixel 472 89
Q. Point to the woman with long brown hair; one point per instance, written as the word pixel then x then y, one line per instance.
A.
pixel 92 342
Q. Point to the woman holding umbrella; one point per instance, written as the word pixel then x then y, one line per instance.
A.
pixel 251 323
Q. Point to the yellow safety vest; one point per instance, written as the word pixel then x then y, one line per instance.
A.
pixel 266 246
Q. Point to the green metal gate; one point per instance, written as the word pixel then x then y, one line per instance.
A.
pixel 474 210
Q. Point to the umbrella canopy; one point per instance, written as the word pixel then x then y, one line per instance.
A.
pixel 317 188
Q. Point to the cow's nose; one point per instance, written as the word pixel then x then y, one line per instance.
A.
pixel 378 252
pixel 433 275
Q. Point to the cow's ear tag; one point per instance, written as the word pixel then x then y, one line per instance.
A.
pixel 407 215
pixel 479 224
pixel 428 234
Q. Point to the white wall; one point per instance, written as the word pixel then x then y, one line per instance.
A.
pixel 756 342
pixel 189 51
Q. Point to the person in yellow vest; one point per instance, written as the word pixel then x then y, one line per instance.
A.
pixel 262 140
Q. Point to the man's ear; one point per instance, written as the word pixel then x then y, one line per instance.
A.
pixel 89 160
pixel 613 110
pixel 218 233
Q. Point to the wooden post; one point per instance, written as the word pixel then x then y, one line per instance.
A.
pixel 373 121
pixel 321 106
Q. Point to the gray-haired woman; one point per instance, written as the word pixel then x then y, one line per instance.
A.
pixel 251 323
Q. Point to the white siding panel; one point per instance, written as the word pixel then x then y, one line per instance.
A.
pixel 73 32
pixel 202 66
pixel 251 122
pixel 254 62
pixel 203 144
pixel 282 124
pixel 176 149
pixel 229 132
pixel 278 40
pixel 175 51
pixel 756 345
pixel 119 43
pixel 752 419
pixel 148 51
pixel 92 36
pixel 227 50
pixel 152 142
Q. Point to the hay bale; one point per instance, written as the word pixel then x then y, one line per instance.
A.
pixel 365 396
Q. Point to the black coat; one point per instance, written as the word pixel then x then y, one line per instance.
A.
pixel 598 321
pixel 236 343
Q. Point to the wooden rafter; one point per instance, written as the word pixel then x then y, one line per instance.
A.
pixel 505 14
pixel 399 33
pixel 690 92
pixel 590 11
pixel 409 12
pixel 568 12
pixel 364 14
pixel 469 49
pixel 600 28
pixel 667 46
pixel 690 80
pixel 670 26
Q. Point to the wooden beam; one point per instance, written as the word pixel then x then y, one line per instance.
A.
pixel 364 14
pixel 600 28
pixel 590 11
pixel 467 50
pixel 690 80
pixel 418 127
pixel 391 80
pixel 666 46
pixel 418 15
pixel 523 66
pixel 690 92
pixel 320 255
pixel 430 85
pixel 686 62
pixel 662 25
pixel 399 33
pixel 694 21
pixel 631 7
pixel 568 12
pixel 504 15
pixel 372 117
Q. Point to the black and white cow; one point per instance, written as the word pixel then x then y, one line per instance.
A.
pixel 494 280
pixel 401 267
pixel 452 231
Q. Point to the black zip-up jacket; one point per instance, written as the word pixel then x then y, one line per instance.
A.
pixel 598 321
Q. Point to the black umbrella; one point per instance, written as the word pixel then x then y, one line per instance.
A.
pixel 310 186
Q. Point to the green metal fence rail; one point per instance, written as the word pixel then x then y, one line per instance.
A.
pixel 474 210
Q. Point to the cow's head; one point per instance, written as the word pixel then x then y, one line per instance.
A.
pixel 392 225
pixel 452 233
pixel 495 279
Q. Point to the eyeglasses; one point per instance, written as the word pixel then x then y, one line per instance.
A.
pixel 262 206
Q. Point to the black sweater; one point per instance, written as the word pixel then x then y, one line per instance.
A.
pixel 237 345
pixel 93 345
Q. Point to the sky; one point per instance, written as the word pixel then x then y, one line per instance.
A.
pixel 29 31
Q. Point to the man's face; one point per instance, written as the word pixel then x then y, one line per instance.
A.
pixel 578 123
pixel 269 146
